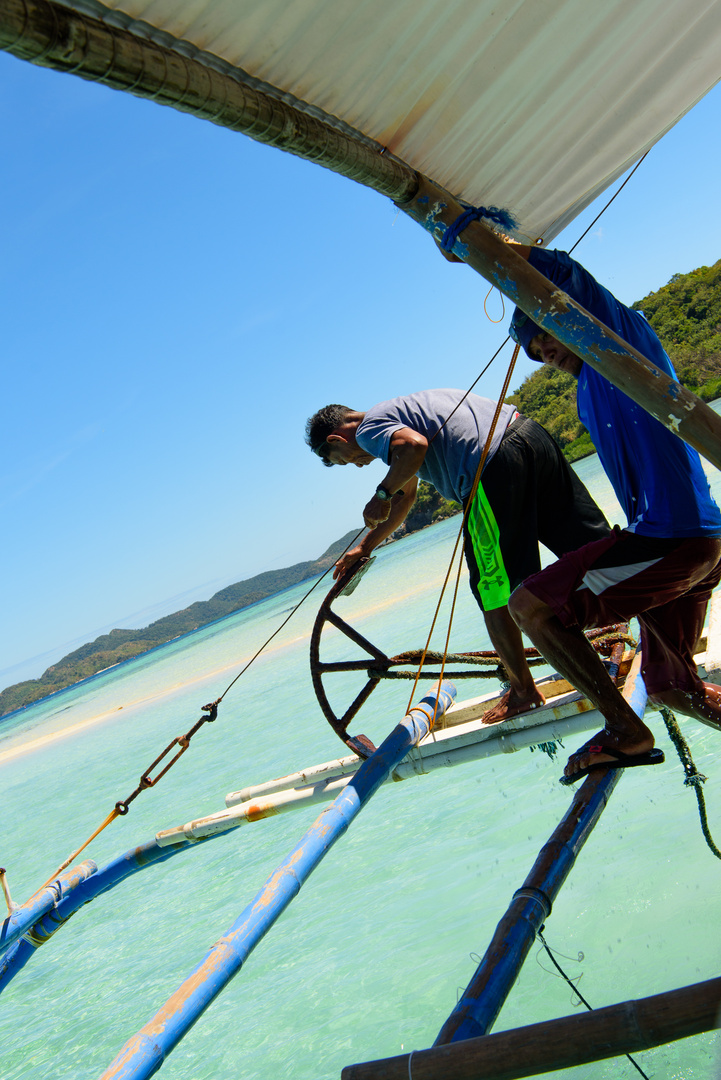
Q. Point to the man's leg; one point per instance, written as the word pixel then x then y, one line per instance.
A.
pixel 666 583
pixel 570 652
pixel 670 635
pixel 533 494
pixel 507 641
pixel 703 705
pixel 490 585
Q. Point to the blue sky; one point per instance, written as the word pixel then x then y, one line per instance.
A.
pixel 178 299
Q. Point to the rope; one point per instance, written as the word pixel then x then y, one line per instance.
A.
pixel 183 741
pixel 449 238
pixel 506 221
pixel 290 616
pixel 575 989
pixel 475 213
pixel 121 807
pixel 618 192
pixel 111 817
pixel 469 503
pixel 694 778
pixel 503 306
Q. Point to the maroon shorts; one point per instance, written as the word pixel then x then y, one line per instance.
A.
pixel 665 583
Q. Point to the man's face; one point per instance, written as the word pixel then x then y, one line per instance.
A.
pixel 343 452
pixel 548 350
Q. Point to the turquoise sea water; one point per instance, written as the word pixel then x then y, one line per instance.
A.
pixel 369 959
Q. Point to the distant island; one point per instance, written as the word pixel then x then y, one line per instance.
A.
pixel 119 645
pixel 686 315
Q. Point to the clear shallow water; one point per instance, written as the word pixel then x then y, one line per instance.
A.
pixel 370 957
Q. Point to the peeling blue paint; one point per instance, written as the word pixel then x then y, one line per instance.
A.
pixel 139 1058
pixel 483 998
pixel 554 311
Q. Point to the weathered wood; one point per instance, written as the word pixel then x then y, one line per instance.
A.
pixel 654 390
pixel 483 998
pixel 559 1044
pixel 551 687
pixel 53 36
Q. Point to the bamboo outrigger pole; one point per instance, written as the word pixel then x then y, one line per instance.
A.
pixel 145 1052
pixel 465 1051
pixel 483 998
pixel 51 907
pixel 619 1029
pixel 179 75
pixel 25 916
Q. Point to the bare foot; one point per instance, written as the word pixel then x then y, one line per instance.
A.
pixel 511 704
pixel 614 749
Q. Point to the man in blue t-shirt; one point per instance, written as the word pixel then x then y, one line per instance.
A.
pixel 661 568
pixel 527 494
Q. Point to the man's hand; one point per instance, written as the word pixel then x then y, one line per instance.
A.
pixel 376 511
pixel 347 561
pixel 382 516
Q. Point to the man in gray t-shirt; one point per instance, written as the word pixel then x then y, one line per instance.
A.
pixel 527 494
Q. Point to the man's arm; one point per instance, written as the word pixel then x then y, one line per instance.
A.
pixel 408 452
pixel 383 516
pixel 399 509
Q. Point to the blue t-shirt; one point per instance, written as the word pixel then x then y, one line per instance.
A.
pixel 452 458
pixel 658 478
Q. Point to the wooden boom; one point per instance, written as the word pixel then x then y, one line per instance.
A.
pixel 177 74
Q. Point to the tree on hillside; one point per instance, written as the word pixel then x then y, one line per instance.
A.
pixel 429 507
pixel 686 315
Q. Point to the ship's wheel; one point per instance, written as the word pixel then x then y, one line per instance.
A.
pixel 376 665
pixel 609 641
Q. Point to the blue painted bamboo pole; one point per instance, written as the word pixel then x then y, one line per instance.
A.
pixel 34 931
pixel 553 310
pixel 478 1008
pixel 145 1052
pixel 44 900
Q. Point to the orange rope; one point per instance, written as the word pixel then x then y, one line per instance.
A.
pixel 503 306
pixel 474 489
pixel 111 817
pixel 115 812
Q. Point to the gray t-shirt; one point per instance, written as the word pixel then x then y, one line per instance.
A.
pixel 453 456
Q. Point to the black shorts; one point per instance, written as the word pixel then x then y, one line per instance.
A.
pixel 528 493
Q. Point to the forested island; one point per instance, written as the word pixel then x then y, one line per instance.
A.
pixel 686 315
pixel 110 649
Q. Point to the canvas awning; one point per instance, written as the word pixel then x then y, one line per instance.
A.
pixel 533 105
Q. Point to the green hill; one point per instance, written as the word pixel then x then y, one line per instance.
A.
pixel 119 645
pixel 686 315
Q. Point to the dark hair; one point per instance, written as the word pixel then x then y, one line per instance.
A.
pixel 319 426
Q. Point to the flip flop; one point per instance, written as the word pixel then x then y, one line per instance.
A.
pixel 623 761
